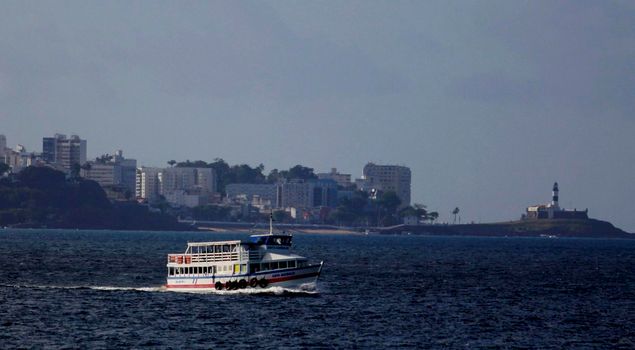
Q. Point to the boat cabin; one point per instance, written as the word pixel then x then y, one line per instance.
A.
pixel 272 241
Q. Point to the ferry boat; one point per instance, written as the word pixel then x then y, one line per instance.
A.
pixel 262 261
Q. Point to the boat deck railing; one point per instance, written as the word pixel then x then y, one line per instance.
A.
pixel 213 257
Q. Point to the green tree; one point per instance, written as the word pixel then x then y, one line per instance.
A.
pixel 245 174
pixel 455 212
pixel 172 162
pixel 274 176
pixel 4 168
pixel 432 216
pixel 389 201
pixel 301 172
pixel 75 169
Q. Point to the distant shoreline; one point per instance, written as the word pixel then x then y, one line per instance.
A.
pixel 557 228
pixel 549 228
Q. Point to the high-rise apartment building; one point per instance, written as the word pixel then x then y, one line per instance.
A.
pixel 386 178
pixel 147 184
pixel 64 151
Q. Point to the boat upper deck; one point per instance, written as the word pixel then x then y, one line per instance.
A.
pixel 236 250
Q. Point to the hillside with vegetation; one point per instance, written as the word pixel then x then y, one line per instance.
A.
pixel 522 228
pixel 44 197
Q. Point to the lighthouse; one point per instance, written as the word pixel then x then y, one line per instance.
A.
pixel 554 196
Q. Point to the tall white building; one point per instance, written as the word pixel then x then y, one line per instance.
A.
pixel 147 184
pixel 64 151
pixel 189 187
pixel 386 178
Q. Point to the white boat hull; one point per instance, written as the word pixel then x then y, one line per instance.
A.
pixel 296 278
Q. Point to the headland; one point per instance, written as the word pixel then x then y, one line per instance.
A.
pixel 583 228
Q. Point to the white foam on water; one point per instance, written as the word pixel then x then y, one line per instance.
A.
pixel 104 288
pixel 269 290
pixel 308 289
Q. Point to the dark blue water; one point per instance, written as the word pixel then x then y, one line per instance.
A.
pixel 80 289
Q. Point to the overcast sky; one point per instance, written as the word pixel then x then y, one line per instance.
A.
pixel 488 102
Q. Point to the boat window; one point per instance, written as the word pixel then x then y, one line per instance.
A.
pixel 291 263
pixel 265 266
pixel 258 240
pixel 243 268
pixel 274 265
pixel 279 240
pixel 236 268
pixel 254 268
pixel 282 265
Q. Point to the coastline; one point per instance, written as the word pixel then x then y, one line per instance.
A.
pixel 556 228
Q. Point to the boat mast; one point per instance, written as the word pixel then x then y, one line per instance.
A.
pixel 271 223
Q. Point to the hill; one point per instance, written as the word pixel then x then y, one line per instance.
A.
pixel 521 228
pixel 44 197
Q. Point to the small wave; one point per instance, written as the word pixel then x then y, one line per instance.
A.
pixel 103 288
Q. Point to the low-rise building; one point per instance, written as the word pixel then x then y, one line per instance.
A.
pixel 112 172
pixel 263 193
pixel 343 180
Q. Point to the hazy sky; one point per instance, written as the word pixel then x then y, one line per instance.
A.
pixel 488 102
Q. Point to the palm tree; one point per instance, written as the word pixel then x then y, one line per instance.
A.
pixel 432 216
pixel 172 162
pixel 455 212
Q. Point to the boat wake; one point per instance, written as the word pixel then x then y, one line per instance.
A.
pixel 304 290
pixel 103 288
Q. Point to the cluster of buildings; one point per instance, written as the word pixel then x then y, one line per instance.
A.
pixel 312 199
pixel 123 179
pixel 17 158
pixel 189 187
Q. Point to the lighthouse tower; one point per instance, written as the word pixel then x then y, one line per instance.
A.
pixel 554 196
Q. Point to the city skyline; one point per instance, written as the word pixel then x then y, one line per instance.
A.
pixel 487 103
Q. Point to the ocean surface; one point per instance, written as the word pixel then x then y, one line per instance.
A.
pixel 101 289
